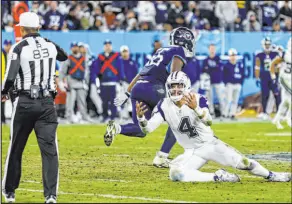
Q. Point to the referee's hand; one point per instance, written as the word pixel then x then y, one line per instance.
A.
pixel 4 98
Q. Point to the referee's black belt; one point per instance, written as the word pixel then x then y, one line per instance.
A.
pixel 41 94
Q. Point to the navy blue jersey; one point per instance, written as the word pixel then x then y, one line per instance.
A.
pixel 157 68
pixel 213 67
pixel 265 60
pixel 233 73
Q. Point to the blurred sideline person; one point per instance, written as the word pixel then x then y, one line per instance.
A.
pixel 130 68
pixel 263 77
pixel 5 50
pixel 285 74
pixel 94 92
pixel 31 74
pixel 77 76
pixel 233 77
pixel 212 66
pixel 107 67
pixel 193 70
pixel 187 114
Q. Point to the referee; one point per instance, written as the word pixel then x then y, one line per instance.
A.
pixel 31 73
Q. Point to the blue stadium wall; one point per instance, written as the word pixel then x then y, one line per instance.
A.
pixel 140 44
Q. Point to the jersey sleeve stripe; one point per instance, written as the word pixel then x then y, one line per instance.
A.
pixel 182 59
pixel 160 109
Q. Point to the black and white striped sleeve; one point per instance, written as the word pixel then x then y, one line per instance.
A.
pixel 61 54
pixel 12 66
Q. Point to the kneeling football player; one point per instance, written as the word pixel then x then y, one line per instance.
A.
pixel 188 116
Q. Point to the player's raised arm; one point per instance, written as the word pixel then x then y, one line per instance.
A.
pixel 276 61
pixel 176 64
pixel 200 107
pixel 153 123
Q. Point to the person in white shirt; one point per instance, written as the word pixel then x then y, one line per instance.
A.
pixel 285 82
pixel 188 116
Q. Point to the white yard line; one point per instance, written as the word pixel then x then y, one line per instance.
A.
pixel 281 134
pixel 111 196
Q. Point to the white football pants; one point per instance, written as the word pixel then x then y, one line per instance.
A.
pixel 220 91
pixel 284 107
pixel 186 166
pixel 95 98
pixel 232 96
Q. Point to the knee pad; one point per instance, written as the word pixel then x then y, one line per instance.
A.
pixel 245 164
pixel 175 174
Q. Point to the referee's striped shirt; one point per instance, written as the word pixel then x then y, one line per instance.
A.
pixel 32 61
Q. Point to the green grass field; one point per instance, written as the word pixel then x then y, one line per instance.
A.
pixel 93 172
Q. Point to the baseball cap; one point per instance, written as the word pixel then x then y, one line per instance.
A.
pixel 107 41
pixel 80 44
pixel 124 48
pixel 73 44
pixel 29 19
pixel 232 51
pixel 7 42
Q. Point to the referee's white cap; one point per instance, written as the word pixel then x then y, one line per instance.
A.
pixel 29 19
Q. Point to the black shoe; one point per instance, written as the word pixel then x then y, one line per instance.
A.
pixel 233 117
pixel 9 197
pixel 51 199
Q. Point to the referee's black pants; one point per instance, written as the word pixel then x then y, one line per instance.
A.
pixel 40 115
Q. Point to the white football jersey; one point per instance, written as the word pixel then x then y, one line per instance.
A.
pixel 189 130
pixel 286 70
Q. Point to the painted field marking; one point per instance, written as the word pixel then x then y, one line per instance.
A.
pixel 111 196
pixel 281 134
pixel 116 155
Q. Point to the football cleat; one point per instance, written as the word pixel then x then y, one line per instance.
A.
pixel 111 132
pixel 51 199
pixel 9 197
pixel 279 177
pixel 161 161
pixel 224 176
pixel 288 120
pixel 278 125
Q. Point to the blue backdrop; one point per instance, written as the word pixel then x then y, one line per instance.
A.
pixel 140 44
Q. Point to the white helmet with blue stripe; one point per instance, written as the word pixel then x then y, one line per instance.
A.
pixel 267 44
pixel 177 84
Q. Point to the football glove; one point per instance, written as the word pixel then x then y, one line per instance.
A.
pixel 122 99
pixel 258 83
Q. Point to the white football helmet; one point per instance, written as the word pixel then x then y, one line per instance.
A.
pixel 267 44
pixel 184 85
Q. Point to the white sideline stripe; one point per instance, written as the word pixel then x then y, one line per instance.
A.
pixel 106 180
pixel 111 196
pixel 116 155
pixel 10 145
pixel 30 181
pixel 278 134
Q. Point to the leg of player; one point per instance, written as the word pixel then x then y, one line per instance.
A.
pixel 288 115
pixel 265 96
pixel 161 159
pixel 220 91
pixel 229 91
pixel 185 168
pixel 220 152
pixel 276 120
pixel 130 129
pixel 235 96
pixel 210 99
